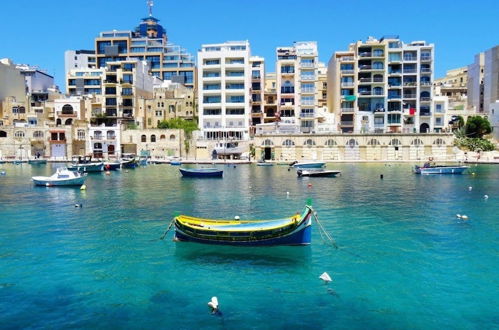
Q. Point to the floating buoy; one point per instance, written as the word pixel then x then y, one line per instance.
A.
pixel 470 188
pixel 213 305
pixel 309 185
pixel 458 216
pixel 464 217
pixel 287 193
pixel 237 218
pixel 78 205
pixel 126 171
pixel 381 176
pixel 47 184
pixel 108 173
pixel 473 173
pixel 325 277
pixel 83 187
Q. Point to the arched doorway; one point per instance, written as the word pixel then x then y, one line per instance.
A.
pixel 68 121
pixel 424 128
pixel 58 122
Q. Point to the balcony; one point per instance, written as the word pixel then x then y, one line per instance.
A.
pixel 410 83
pixel 365 93
pixel 394 96
pixel 287 90
pixel 347 84
pixel 424 113
pixel 347 59
pixel 307 115
pixel 346 123
pixel 410 58
pixel 425 99
pixel 307 64
pixel 425 58
pixel 365 54
pixel 126 82
pixel 425 70
pixel 410 71
pixel 347 71
pixel 347 109
pixel 365 67
pixel 410 96
pixel 309 90
pixel 395 72
pixel 425 83
pixel 307 77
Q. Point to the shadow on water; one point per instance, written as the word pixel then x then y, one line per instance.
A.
pixel 219 254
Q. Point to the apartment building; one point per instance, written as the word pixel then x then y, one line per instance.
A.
pixel 297 85
pixel 148 42
pixel 270 98
pixel 79 59
pixel 257 90
pixel 120 90
pixel 454 86
pixel 382 86
pixel 483 82
pixel 224 90
pixel 170 100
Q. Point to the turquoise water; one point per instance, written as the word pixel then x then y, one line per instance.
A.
pixel 404 260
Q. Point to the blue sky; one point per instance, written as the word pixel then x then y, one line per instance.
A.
pixel 38 32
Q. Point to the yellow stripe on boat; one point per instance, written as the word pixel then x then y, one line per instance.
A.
pixel 219 224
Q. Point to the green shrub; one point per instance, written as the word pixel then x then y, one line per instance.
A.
pixel 474 144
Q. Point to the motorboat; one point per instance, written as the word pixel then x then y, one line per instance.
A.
pixel 264 163
pixel 308 164
pixel 440 169
pixel 295 230
pixel 37 161
pixel 112 166
pixel 201 172
pixel 227 148
pixel 85 164
pixel 62 177
pixel 317 173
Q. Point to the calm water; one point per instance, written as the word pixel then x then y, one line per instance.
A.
pixel 404 260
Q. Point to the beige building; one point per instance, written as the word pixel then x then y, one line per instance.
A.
pixel 171 100
pixel 454 86
pixel 383 86
pixel 355 147
pixel 160 144
pixel 257 64
pixel 270 98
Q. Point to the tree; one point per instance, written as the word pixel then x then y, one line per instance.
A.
pixel 477 126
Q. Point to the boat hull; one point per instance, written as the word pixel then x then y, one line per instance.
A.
pixel 39 181
pixel 215 173
pixel 323 173
pixel 87 167
pixel 264 164
pixel 37 161
pixel 441 170
pixel 310 165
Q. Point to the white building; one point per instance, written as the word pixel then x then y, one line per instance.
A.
pixel 224 90
pixel 79 59
pixel 297 84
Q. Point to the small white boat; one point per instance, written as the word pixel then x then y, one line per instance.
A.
pixel 229 148
pixel 308 164
pixel 317 172
pixel 62 177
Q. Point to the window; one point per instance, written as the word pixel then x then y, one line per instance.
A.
pixel 19 134
pixel 439 142
pixel 143 138
pixel 267 142
pixel 288 143
pixel 172 137
pixel 395 142
pixel 417 142
pixel 162 137
pixel 309 143
pixel 81 134
pixel 331 143
pixel 373 142
pixel 38 134
pixel 153 138
pixel 3 134
pixel 352 143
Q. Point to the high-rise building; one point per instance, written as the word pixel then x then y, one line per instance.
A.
pixel 483 81
pixel 257 89
pixel 148 42
pixel 297 85
pixel 382 86
pixel 224 90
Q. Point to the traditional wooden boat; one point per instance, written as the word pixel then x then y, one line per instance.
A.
pixel 295 230
pixel 37 161
pixel 308 164
pixel 129 162
pixel 62 177
pixel 112 166
pixel 320 172
pixel 201 172
pixel 440 169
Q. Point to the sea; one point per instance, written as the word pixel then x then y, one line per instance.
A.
pixel 399 256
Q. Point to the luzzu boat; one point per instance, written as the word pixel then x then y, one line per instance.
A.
pixel 86 164
pixel 440 169
pixel 295 230
pixel 62 177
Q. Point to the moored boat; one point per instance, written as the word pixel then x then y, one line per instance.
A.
pixel 317 173
pixel 62 177
pixel 295 230
pixel 308 164
pixel 440 169
pixel 37 161
pixel 201 172
pixel 129 163
pixel 112 166
pixel 85 164
pixel 264 164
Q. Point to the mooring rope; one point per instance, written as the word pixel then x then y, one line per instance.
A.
pixel 168 229
pixel 323 231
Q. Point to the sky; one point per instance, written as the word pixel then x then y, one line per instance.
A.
pixel 37 32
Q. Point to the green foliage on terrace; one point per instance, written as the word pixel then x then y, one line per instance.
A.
pixel 477 127
pixel 178 123
pixel 474 144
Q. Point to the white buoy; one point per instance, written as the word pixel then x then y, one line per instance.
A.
pixel 287 192
pixel 486 196
pixel 83 187
pixel 470 188
pixel 458 216
pixel 325 277
pixel 464 217
pixel 237 218
pixel 213 304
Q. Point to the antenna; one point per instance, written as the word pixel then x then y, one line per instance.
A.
pixel 150 4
